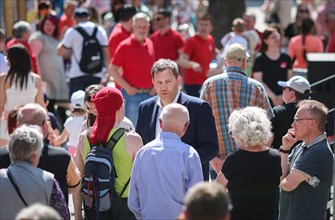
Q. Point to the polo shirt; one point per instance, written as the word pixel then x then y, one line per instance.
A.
pixel 27 46
pixel 167 45
pixel 201 51
pixel 309 199
pixel 136 60
pixel 118 34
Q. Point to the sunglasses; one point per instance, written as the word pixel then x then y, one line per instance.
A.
pixel 303 11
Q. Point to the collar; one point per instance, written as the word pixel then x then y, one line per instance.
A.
pixel 159 103
pixel 315 141
pixel 235 69
pixel 166 33
pixel 166 134
pixel 133 39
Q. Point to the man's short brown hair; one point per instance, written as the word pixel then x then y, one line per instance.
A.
pixel 317 110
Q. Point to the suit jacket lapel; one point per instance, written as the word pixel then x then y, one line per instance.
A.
pixel 154 120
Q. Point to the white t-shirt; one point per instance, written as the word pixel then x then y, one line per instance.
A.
pixel 73 40
pixel 231 38
pixel 72 125
pixel 3 64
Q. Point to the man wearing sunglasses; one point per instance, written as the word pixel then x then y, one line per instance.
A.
pixel 168 43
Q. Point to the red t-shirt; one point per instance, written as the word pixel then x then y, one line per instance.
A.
pixel 167 45
pixel 116 37
pixel 201 51
pixel 136 61
pixel 65 21
pixel 331 42
pixel 32 55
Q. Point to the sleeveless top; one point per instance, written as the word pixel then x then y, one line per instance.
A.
pixel 123 163
pixel 16 96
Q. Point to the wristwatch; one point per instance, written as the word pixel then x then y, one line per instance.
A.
pixel 284 151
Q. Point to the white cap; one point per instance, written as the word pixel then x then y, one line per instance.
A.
pixel 77 99
pixel 298 83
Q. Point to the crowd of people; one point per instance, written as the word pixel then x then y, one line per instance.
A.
pixel 126 111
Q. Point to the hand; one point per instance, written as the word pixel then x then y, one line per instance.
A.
pixel 52 137
pixel 278 100
pixel 196 67
pixel 216 163
pixel 289 139
pixel 131 90
pixel 105 80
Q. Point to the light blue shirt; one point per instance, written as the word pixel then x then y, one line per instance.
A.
pixel 163 171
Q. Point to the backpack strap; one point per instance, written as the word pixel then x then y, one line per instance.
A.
pixel 115 138
pixel 112 140
pixel 10 177
pixel 125 187
pixel 82 32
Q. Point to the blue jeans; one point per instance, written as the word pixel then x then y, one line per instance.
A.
pixel 82 82
pixel 133 101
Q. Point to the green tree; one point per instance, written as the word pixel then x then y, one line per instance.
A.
pixel 223 13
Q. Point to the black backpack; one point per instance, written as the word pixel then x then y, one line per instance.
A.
pixel 99 180
pixel 91 61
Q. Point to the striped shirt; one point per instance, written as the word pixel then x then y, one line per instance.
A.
pixel 227 92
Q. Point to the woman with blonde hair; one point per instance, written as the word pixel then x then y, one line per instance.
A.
pixel 252 173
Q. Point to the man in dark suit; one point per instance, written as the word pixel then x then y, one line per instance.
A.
pixel 201 133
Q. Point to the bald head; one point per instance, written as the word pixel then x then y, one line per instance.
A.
pixel 31 114
pixel 174 118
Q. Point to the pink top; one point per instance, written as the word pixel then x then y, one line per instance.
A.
pixel 295 49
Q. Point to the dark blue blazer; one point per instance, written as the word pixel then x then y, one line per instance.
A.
pixel 201 133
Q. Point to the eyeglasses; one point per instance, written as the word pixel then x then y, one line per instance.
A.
pixel 90 109
pixel 45 121
pixel 302 119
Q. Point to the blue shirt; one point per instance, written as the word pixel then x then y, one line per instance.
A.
pixel 163 171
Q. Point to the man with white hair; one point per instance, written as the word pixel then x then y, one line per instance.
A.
pixel 21 33
pixel 54 160
pixel 23 182
pixel 164 169
pixel 135 56
pixel 228 91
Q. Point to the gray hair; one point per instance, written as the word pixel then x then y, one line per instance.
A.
pixel 24 142
pixel 20 28
pixel 141 15
pixel 164 64
pixel 250 127
pixel 317 110
pixel 38 211
pixel 32 114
